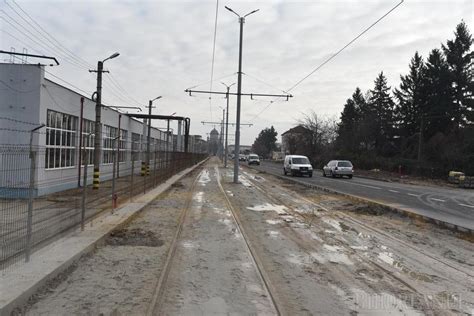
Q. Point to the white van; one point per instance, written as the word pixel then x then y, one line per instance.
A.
pixel 297 165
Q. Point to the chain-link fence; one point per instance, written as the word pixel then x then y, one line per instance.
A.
pixel 41 200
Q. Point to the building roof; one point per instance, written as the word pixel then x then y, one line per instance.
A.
pixel 300 129
pixel 214 131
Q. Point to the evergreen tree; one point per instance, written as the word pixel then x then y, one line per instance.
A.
pixel 459 59
pixel 410 97
pixel 348 128
pixel 382 105
pixel 439 106
pixel 265 143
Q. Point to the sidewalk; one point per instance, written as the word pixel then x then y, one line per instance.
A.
pixel 18 285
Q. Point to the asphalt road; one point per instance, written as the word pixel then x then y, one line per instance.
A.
pixel 455 206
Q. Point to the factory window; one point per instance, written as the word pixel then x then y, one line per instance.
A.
pixel 88 128
pixel 60 140
pixel 110 135
pixel 123 145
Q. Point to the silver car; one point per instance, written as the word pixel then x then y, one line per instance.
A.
pixel 339 168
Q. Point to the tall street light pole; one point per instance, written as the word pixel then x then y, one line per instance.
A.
pixel 239 91
pixel 98 130
pixel 227 124
pixel 150 103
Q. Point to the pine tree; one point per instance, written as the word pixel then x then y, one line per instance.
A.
pixel 459 59
pixel 439 106
pixel 265 142
pixel 410 97
pixel 382 105
pixel 348 129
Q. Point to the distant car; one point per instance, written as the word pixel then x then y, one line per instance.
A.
pixel 340 168
pixel 241 157
pixel 297 165
pixel 253 160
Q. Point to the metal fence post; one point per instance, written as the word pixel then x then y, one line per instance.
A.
pixel 131 176
pixel 29 223
pixel 154 171
pixel 84 187
pixel 114 161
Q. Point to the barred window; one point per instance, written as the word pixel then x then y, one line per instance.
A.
pixel 61 136
pixel 123 145
pixel 88 128
pixel 110 133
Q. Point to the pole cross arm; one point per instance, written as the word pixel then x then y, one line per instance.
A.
pixel 219 123
pixel 252 95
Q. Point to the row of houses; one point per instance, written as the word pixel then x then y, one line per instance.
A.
pixel 28 99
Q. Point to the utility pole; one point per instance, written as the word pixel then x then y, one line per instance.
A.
pixel 222 134
pixel 150 103
pixel 239 94
pixel 98 129
pixel 227 124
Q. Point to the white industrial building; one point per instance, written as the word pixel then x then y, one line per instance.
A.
pixel 28 99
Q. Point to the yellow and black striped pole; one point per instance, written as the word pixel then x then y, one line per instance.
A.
pixel 143 170
pixel 96 181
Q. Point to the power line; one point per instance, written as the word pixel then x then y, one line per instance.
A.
pixel 334 55
pixel 265 83
pixel 220 78
pixel 30 36
pixel 75 56
pixel 213 55
pixel 70 84
pixel 345 46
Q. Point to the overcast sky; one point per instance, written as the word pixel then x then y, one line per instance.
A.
pixel 166 47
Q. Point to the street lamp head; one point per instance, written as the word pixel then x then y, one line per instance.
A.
pixel 232 11
pixel 251 13
pixel 112 56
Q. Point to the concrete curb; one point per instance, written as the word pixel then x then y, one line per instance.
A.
pixel 398 210
pixel 17 286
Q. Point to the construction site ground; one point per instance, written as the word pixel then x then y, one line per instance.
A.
pixel 265 246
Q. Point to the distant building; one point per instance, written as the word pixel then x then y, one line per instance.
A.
pixel 289 139
pixel 213 142
pixel 244 149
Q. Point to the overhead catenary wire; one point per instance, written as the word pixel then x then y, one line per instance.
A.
pixel 213 56
pixel 334 55
pixel 49 37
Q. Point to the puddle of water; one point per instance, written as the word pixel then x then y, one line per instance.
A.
pixel 386 257
pixel 189 244
pixel 279 209
pixel 273 233
pixel 381 304
pixel 245 182
pixel 315 237
pixel 204 177
pixel 297 259
pixel 198 197
pixel 335 224
pixel 273 221
pixel 360 247
pixel 230 193
pixel 332 248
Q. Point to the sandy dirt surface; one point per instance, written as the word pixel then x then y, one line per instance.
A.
pixel 213 272
pixel 119 277
pixel 323 255
pixel 375 262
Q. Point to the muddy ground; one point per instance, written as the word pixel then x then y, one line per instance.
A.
pixel 323 255
pixel 119 277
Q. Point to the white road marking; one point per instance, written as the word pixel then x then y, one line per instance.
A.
pixel 364 185
pixel 394 191
pixel 439 200
pixel 414 194
pixel 466 205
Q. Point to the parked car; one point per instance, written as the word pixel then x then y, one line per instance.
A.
pixel 297 165
pixel 242 157
pixel 253 160
pixel 339 168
